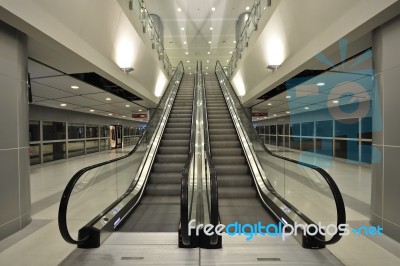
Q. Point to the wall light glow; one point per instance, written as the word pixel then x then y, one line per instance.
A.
pixel 160 85
pixel 275 51
pixel 238 85
pixel 124 52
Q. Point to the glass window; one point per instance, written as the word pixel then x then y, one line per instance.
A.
pixel 104 144
pixel 324 128
pixel 324 146
pixel 287 142
pixel 92 131
pixel 34 131
pixel 366 128
pixel 104 131
pixel 34 154
pixel 272 140
pixel 266 141
pixel 295 143
pixel 54 151
pixel 295 129
pixel 366 151
pixel 54 130
pixel 261 130
pixel 92 146
pixel 280 129
pixel 307 129
pixel 272 129
pixel 76 131
pixel 266 129
pixel 307 144
pixel 76 148
pixel 281 141
pixel 286 129
pixel 346 149
pixel 347 128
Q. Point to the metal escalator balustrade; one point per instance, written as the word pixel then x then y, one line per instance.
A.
pixel 99 197
pixel 294 192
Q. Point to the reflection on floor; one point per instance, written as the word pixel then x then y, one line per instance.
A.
pixel 40 242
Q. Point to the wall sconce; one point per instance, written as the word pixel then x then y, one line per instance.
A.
pixel 273 67
pixel 127 69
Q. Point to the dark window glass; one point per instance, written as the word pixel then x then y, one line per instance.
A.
pixel 54 151
pixel 366 151
pixel 272 140
pixel 272 129
pixel 104 144
pixel 286 129
pixel 295 129
pixel 92 131
pixel 295 143
pixel 324 128
pixel 346 149
pixel 76 131
pixel 280 129
pixel 92 146
pixel 347 128
pixel 53 130
pixel 266 141
pixel 366 128
pixel 307 144
pixel 307 129
pixel 324 146
pixel 34 131
pixel 104 131
pixel 281 141
pixel 266 129
pixel 261 130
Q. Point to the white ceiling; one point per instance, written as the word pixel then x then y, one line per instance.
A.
pixel 196 17
pixel 52 88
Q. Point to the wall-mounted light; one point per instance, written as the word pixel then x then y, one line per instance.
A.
pixel 273 67
pixel 127 69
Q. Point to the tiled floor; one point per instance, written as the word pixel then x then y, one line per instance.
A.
pixel 40 242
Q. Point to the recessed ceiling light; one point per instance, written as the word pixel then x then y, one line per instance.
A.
pixel 208 61
pixel 123 116
pixel 127 105
pixel 74 87
pixel 184 42
pixel 63 104
pixel 274 114
pixel 179 10
pixel 321 84
pixel 335 101
pixel 247 8
pixel 188 61
pixel 269 104
pixel 206 73
pixel 230 52
pixel 234 41
pixel 227 60
pixel 206 67
pixel 187 53
pixel 92 110
pixel 213 9
pixel 190 73
pixel 208 52
pixel 287 112
pixel 211 28
pixel 109 114
pixel 209 42
pixel 140 110
pixel 182 28
pixel 307 108
pixel 189 68
pixel 108 99
pixel 288 97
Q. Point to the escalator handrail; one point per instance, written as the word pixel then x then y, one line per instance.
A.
pixel 185 210
pixel 62 211
pixel 214 211
pixel 340 208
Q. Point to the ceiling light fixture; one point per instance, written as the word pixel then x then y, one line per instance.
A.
pixel 273 67
pixel 306 108
pixel 187 52
pixel 287 112
pixel 274 114
pixel 108 99
pixel 182 28
pixel 288 97
pixel 188 61
pixel 230 52
pixel 127 69
pixel 208 52
pixel 320 84
pixel 269 104
pixel 335 101
pixel 247 8
pixel 74 87
pixel 208 61
pixel 63 104
pixel 123 116
pixel 92 110
pixel 179 10
pixel 209 42
pixel 184 42
pixel 127 105
pixel 213 9
pixel 140 110
pixel 211 28
pixel 234 41
pixel 110 114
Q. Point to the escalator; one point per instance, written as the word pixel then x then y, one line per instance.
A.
pixel 159 210
pixel 237 195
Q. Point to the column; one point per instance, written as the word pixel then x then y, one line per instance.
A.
pixel 15 199
pixel 385 195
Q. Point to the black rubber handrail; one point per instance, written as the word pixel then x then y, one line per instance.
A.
pixel 185 210
pixel 213 202
pixel 340 208
pixel 62 211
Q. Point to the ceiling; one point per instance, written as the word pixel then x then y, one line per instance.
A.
pixel 52 88
pixel 206 35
